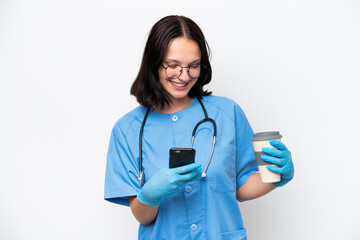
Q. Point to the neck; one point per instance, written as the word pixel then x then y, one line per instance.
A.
pixel 176 105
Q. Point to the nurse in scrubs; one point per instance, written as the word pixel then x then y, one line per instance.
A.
pixel 179 203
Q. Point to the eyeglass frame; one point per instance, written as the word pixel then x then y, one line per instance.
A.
pixel 188 67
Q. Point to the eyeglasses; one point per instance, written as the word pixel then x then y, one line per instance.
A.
pixel 174 71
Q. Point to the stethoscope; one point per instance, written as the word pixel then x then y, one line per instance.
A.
pixel 142 174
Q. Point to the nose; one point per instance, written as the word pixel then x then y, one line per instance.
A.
pixel 184 75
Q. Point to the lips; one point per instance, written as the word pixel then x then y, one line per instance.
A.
pixel 180 85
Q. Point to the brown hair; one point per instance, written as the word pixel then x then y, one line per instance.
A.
pixel 147 87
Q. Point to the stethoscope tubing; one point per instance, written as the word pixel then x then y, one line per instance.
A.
pixel 142 174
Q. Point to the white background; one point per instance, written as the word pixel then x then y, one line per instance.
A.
pixel 66 68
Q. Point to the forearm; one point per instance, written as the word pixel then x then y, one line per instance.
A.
pixel 143 213
pixel 253 188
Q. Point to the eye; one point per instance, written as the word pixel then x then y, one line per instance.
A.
pixel 172 66
pixel 195 65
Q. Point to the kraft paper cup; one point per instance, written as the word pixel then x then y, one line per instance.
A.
pixel 261 140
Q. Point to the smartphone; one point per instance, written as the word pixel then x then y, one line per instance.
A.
pixel 181 156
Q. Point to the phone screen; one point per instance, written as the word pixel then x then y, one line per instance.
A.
pixel 181 156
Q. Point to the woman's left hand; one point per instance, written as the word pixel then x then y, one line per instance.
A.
pixel 281 157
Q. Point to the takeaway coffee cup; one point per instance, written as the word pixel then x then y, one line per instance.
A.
pixel 261 140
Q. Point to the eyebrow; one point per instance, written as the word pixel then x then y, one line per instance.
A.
pixel 176 61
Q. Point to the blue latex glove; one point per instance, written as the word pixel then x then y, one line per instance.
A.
pixel 280 156
pixel 166 182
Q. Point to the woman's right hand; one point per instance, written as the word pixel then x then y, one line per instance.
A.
pixel 166 182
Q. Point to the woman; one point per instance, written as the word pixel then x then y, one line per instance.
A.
pixel 179 203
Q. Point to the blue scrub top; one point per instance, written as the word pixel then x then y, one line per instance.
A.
pixel 206 208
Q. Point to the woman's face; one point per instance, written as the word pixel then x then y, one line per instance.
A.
pixel 183 52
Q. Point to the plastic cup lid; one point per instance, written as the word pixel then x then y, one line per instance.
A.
pixel 266 136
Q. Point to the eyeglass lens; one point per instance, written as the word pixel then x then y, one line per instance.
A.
pixel 174 71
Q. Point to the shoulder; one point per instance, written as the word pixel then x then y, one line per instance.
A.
pixel 135 116
pixel 224 104
pixel 220 101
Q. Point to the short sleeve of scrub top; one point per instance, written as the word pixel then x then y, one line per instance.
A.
pixel 121 178
pixel 203 209
pixel 245 164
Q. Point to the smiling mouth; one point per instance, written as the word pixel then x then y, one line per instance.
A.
pixel 180 84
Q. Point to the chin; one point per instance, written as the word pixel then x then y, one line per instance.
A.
pixel 179 96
